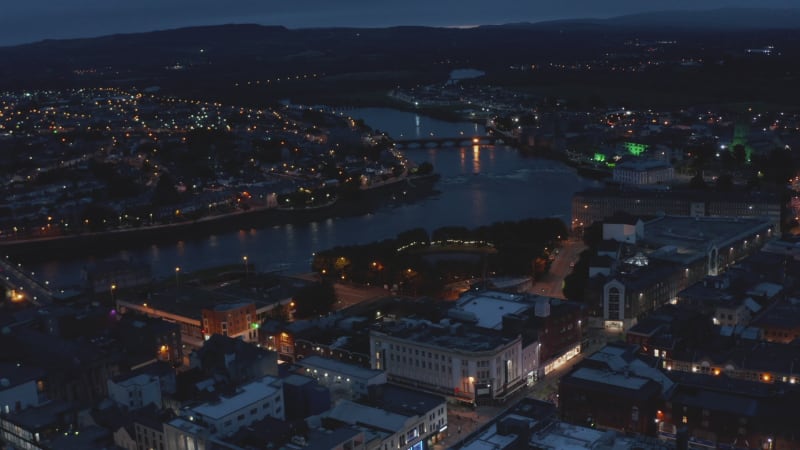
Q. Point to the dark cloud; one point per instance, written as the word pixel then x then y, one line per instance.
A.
pixel 32 20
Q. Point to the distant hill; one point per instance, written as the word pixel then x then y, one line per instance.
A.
pixel 713 19
pixel 255 64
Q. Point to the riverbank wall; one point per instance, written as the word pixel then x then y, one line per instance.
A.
pixel 105 242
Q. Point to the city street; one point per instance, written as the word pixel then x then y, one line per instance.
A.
pixel 348 294
pixel 352 294
pixel 551 284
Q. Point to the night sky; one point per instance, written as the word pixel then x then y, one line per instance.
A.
pixel 32 20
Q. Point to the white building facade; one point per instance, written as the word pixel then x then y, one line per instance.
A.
pixel 252 402
pixel 340 376
pixel 450 360
pixel 644 172
pixel 135 392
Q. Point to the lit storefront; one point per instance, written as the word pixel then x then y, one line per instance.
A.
pixel 558 361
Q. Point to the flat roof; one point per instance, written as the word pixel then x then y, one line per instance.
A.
pixel 766 288
pixel 319 439
pixel 356 413
pixel 681 238
pixel 136 380
pixel 332 365
pixel 747 355
pixel 490 309
pixel 647 326
pixel 408 402
pixel 609 377
pixel 643 277
pixel 185 425
pixel 297 380
pixel 550 433
pixel 490 440
pixel 448 338
pixel 740 405
pixel 17 374
pixel 783 314
pixel 43 416
pixel 568 437
pixel 696 231
pixel 245 396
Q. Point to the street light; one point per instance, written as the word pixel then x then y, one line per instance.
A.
pixel 113 288
pixel 244 258
pixel 177 272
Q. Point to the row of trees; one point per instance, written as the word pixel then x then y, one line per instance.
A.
pixel 422 263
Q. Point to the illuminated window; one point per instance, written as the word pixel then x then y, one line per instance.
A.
pixel 613 303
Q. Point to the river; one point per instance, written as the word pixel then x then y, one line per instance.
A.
pixel 478 186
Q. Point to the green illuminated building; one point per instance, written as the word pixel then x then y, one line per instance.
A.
pixel 635 148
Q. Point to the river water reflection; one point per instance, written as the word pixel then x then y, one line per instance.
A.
pixel 478 186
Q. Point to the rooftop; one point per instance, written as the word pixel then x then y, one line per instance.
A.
pixel 757 356
pixel 488 308
pixel 623 359
pixel 717 401
pixel 323 439
pixel 648 326
pixel 334 366
pixel 245 396
pixel 564 436
pixel 12 375
pixel 136 380
pixel 490 440
pixel 682 239
pixel 643 277
pixel 621 380
pixel 783 314
pixel 43 417
pixel 406 402
pixel 356 413
pixel 537 419
pixel 187 426
pixel 454 337
pixel 297 380
pixel 86 438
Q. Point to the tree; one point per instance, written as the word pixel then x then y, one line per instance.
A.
pixel 593 234
pixel 697 182
pixel 425 168
pixel 418 235
pixel 724 182
pixel 456 233
pixel 315 299
pixel 575 283
pixel 754 183
pixel 165 192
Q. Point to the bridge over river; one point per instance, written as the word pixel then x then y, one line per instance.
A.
pixel 439 142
